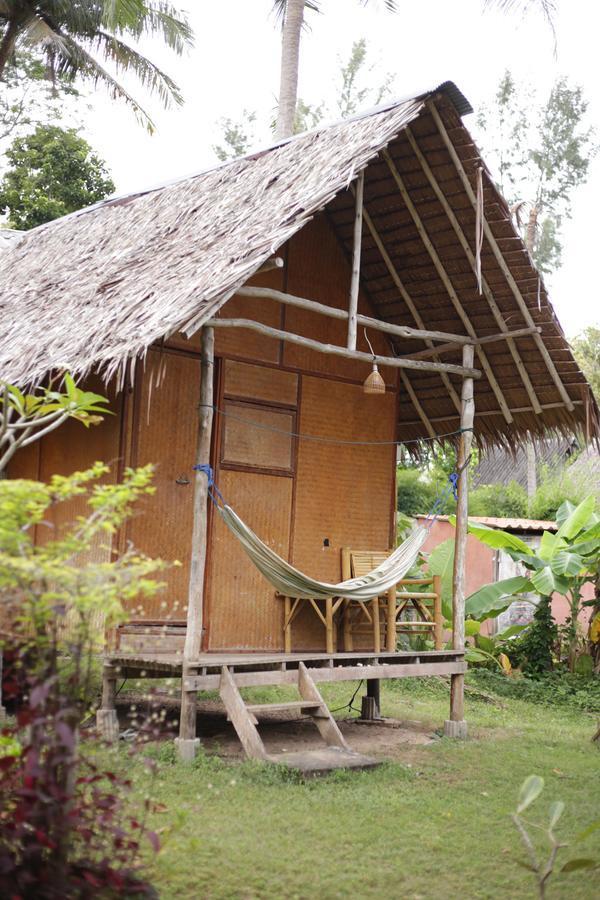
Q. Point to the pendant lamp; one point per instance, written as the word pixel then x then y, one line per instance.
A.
pixel 373 383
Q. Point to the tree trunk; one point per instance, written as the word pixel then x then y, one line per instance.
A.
pixel 7 44
pixel 290 56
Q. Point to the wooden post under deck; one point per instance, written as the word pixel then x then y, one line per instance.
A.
pixel 187 742
pixel 456 726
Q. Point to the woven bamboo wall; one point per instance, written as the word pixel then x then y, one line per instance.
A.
pixel 164 433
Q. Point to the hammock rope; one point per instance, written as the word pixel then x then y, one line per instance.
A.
pixel 291 582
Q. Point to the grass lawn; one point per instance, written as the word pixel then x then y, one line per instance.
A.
pixel 433 823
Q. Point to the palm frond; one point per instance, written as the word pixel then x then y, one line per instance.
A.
pixel 126 59
pixel 546 7
pixel 279 8
pixel 70 57
pixel 139 17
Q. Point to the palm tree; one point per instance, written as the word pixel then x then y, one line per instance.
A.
pixel 71 34
pixel 291 13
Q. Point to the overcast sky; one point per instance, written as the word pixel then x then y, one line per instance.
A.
pixel 235 63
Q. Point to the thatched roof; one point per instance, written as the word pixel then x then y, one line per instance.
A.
pixel 97 288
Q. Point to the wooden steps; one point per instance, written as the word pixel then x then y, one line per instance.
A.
pixel 336 753
pixel 327 759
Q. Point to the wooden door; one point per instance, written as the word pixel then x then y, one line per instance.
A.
pixel 256 469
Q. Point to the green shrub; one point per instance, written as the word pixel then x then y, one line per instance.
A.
pixel 508 500
pixel 552 493
pixel 417 493
pixel 578 692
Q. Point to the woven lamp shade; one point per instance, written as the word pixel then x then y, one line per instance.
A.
pixel 374 383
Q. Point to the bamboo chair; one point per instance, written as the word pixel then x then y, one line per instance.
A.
pixel 381 618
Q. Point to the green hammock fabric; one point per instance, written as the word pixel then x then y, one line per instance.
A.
pixel 292 583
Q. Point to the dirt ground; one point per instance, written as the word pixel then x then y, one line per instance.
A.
pixel 282 731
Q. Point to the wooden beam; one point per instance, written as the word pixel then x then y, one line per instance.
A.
pixel 193 637
pixel 447 283
pixel 460 547
pixel 403 331
pixel 499 257
pixel 488 293
pixel 274 262
pixel 356 246
pixel 396 362
pixel 488 339
pixel 329 674
pixel 495 412
pixel 406 297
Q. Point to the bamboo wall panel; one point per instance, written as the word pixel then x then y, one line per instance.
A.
pixel 243 612
pixel 260 383
pixel 248 439
pixel 343 493
pixel 165 434
pixel 71 448
pixel 318 270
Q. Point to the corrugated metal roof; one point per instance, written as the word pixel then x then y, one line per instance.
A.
pixel 509 524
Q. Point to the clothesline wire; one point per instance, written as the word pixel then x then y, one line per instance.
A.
pixel 320 439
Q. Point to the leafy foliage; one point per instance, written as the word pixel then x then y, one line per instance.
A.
pixel 25 418
pixel 586 347
pixel 499 500
pixel 354 91
pixel 28 98
pixel 543 869
pixel 52 600
pixel 551 689
pixel 541 155
pixel 563 563
pixel 71 36
pixel 51 172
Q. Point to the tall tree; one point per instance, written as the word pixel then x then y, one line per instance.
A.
pixel 51 172
pixel 541 153
pixel 586 347
pixel 291 13
pixel 360 85
pixel 71 36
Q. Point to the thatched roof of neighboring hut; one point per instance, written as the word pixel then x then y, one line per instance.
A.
pixel 94 290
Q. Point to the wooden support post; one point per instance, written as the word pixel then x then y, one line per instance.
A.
pixel 355 280
pixel 376 625
pixel 438 618
pixel 107 722
pixel 456 726
pixel 329 625
pixel 391 620
pixel 287 630
pixel 371 704
pixel 187 741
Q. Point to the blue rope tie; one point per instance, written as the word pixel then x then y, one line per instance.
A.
pixel 213 491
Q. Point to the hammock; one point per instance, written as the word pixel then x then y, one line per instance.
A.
pixel 290 582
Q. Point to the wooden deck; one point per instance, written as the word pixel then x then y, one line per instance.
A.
pixel 255 669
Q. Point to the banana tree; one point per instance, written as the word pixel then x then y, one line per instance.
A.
pixel 562 564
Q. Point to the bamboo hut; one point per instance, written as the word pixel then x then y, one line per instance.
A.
pixel 234 317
